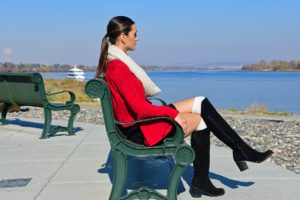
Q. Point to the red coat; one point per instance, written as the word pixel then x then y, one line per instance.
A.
pixel 130 103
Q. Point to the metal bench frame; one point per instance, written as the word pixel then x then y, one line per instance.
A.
pixel 27 89
pixel 121 148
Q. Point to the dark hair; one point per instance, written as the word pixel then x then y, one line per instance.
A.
pixel 116 26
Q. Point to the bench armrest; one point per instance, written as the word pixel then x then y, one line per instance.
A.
pixel 72 96
pixel 147 120
pixel 178 138
pixel 158 99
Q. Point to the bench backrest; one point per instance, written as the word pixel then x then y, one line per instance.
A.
pixel 22 88
pixel 97 88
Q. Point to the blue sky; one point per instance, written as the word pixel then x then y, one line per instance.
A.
pixel 170 32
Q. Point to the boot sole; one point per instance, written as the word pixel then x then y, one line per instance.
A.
pixel 197 192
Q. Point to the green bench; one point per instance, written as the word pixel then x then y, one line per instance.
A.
pixel 27 89
pixel 121 148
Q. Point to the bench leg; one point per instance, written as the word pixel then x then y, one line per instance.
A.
pixel 47 124
pixel 120 174
pixel 75 109
pixel 4 112
pixel 174 181
pixel 184 156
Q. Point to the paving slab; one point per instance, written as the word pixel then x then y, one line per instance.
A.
pixel 39 172
pixel 81 167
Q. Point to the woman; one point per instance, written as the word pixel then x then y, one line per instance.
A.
pixel 130 86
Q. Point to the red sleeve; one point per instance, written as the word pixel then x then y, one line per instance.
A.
pixel 134 96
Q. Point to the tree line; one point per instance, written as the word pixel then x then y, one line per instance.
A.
pixel 36 67
pixel 274 65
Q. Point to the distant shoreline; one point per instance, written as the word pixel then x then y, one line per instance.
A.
pixel 274 65
pixel 262 66
pixel 164 70
pixel 146 68
pixel 271 70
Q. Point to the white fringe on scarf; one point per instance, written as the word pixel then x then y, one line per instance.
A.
pixel 151 89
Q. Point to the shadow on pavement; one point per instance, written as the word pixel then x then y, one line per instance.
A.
pixel 153 172
pixel 40 126
pixel 188 175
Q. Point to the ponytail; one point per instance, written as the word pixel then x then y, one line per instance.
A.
pixel 116 26
pixel 103 57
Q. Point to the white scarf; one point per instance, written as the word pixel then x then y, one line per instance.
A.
pixel 150 88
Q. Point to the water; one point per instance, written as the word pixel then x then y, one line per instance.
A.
pixel 278 91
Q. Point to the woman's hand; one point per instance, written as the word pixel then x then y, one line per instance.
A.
pixel 182 121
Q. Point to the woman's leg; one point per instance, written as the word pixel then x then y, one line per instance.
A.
pixel 241 151
pixel 201 184
pixel 200 142
pixel 184 106
pixel 215 122
pixel 193 121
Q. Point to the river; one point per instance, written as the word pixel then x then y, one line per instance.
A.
pixel 228 89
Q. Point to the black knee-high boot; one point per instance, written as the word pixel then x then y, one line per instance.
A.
pixel 241 151
pixel 201 184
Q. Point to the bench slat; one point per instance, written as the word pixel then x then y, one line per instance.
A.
pixel 21 93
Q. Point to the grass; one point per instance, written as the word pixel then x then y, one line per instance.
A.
pixel 77 87
pixel 258 109
pixel 233 110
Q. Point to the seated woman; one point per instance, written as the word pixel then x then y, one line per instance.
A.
pixel 130 86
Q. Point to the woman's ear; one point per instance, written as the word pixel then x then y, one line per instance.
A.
pixel 123 38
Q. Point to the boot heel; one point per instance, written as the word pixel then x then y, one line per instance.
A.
pixel 242 165
pixel 196 192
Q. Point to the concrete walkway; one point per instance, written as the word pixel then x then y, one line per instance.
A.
pixel 80 168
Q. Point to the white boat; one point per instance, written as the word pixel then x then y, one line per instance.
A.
pixel 76 74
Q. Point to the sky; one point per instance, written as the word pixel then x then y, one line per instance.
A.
pixel 170 32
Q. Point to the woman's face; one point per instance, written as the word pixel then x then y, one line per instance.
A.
pixel 130 40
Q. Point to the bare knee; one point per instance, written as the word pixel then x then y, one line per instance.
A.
pixel 193 121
